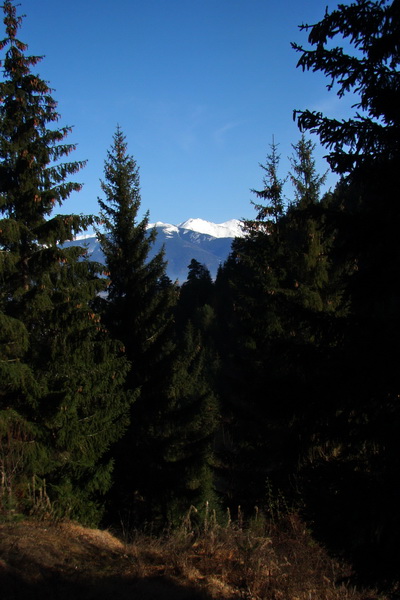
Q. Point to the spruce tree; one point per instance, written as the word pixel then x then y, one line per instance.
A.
pixel 306 246
pixel 62 374
pixel 195 293
pixel 250 281
pixel 272 206
pixel 164 460
pixel 311 294
pixel 138 310
pixel 137 303
pixel 306 181
pixel 179 458
pixel 358 480
pixel 279 289
pixel 198 367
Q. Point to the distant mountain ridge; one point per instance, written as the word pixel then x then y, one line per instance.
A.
pixel 207 242
pixel 228 229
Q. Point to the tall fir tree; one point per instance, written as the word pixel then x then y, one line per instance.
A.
pixel 305 236
pixel 195 294
pixel 179 452
pixel 138 310
pixel 279 288
pixel 250 279
pixel 164 460
pixel 61 389
pixel 305 179
pixel 138 304
pixel 311 291
pixel 196 325
pixel 272 206
pixel 359 481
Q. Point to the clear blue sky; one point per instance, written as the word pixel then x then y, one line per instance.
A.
pixel 199 88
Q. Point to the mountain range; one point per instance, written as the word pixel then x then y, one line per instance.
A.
pixel 209 243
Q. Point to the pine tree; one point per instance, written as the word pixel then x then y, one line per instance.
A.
pixel 61 389
pixel 311 293
pixel 364 149
pixel 138 310
pixel 250 281
pixel 195 294
pixel 306 181
pixel 307 252
pixel 370 69
pixel 179 452
pixel 272 207
pixel 137 304
pixel 280 289
pixel 196 372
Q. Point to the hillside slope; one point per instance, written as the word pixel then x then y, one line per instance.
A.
pixel 66 561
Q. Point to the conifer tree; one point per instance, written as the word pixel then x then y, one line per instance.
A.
pixel 279 279
pixel 197 372
pixel 138 310
pixel 137 304
pixel 62 375
pixel 195 293
pixel 358 477
pixel 307 254
pixel 179 452
pixel 272 207
pixel 164 460
pixel 251 278
pixel 311 293
pixel 304 177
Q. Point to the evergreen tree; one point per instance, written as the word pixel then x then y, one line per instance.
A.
pixel 138 310
pixel 358 479
pixel 305 235
pixel 311 293
pixel 138 307
pixel 195 294
pixel 279 290
pixel 272 207
pixel 196 326
pixel 249 282
pixel 61 389
pixel 164 460
pixel 304 177
pixel 179 451
pixel 369 69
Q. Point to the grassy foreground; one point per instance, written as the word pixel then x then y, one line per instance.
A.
pixel 263 561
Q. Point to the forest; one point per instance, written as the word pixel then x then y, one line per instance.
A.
pixel 125 397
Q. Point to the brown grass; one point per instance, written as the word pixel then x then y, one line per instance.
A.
pixel 262 561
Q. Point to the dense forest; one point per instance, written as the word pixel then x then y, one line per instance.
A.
pixel 125 397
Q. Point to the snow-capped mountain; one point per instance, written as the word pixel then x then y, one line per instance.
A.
pixel 209 243
pixel 232 228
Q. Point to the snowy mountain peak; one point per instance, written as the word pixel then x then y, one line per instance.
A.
pixel 166 227
pixel 208 243
pixel 229 229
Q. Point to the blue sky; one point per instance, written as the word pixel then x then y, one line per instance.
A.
pixel 199 88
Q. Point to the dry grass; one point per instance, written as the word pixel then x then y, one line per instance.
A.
pixel 257 562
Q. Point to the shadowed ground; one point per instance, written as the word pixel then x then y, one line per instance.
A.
pixel 66 561
pixel 260 561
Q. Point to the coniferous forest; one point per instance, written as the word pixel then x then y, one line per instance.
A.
pixel 126 397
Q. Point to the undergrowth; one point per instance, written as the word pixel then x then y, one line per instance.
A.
pixel 262 559
pixel 228 559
